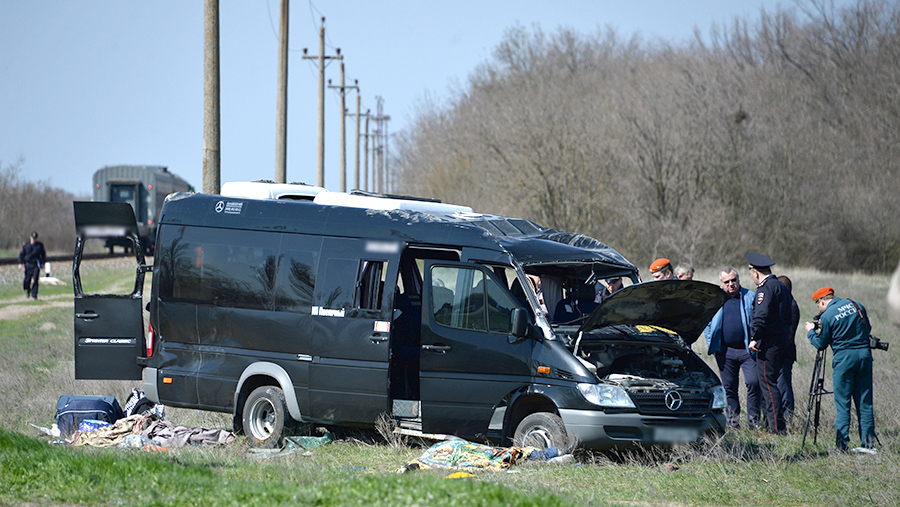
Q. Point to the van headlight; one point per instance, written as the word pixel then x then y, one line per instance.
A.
pixel 606 395
pixel 718 395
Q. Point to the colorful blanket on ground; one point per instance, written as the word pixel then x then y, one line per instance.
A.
pixel 463 455
pixel 114 434
pixel 164 432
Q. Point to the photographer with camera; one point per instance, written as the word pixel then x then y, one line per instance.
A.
pixel 843 324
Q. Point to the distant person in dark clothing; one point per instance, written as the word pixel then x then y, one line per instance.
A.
pixel 32 258
pixel 785 382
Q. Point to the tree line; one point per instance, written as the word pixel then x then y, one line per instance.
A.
pixel 779 134
pixel 27 206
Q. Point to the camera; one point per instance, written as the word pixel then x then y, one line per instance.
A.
pixel 876 343
pixel 816 324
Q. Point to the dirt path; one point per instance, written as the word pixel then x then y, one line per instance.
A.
pixel 18 307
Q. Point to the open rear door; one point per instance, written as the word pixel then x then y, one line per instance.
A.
pixel 109 328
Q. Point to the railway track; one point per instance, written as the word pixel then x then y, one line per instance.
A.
pixel 69 258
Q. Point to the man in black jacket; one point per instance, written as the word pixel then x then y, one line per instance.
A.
pixel 32 258
pixel 769 330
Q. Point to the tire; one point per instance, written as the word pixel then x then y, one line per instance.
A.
pixel 265 412
pixel 542 430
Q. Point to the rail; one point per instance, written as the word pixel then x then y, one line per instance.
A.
pixel 69 258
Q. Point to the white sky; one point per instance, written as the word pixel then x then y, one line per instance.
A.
pixel 92 83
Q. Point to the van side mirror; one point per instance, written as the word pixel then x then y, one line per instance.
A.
pixel 520 325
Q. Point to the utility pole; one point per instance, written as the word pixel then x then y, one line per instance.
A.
pixel 212 151
pixel 381 139
pixel 320 151
pixel 358 103
pixel 366 153
pixel 343 126
pixel 281 113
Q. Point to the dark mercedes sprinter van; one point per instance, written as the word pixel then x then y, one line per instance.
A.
pixel 337 308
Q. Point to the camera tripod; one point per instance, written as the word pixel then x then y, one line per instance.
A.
pixel 816 390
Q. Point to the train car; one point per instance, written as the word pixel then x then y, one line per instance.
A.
pixel 144 187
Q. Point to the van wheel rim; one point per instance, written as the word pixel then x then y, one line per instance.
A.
pixel 538 437
pixel 262 419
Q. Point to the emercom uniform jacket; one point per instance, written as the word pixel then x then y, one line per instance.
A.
pixel 771 320
pixel 841 327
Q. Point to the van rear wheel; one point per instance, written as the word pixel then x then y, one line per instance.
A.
pixel 264 416
pixel 542 430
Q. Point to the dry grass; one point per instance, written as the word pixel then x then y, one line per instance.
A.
pixel 36 367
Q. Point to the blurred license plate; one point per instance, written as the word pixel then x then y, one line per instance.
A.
pixel 675 434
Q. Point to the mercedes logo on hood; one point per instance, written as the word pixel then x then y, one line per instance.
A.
pixel 673 400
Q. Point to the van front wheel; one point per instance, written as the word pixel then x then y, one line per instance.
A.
pixel 264 416
pixel 542 430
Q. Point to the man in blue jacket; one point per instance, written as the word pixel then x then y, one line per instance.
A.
pixel 843 324
pixel 728 337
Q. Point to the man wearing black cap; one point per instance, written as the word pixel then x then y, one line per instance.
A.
pixel 32 257
pixel 769 331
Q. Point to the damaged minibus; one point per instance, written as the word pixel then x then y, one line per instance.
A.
pixel 336 308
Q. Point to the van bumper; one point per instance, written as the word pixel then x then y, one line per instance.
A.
pixel 596 429
pixel 149 377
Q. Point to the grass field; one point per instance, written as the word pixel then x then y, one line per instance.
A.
pixel 741 468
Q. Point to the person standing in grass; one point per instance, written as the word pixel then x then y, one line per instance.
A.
pixel 843 324
pixel 728 337
pixel 32 257
pixel 785 377
pixel 769 329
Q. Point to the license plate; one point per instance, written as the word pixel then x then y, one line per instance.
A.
pixel 675 435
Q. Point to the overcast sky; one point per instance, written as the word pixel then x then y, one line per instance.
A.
pixel 93 83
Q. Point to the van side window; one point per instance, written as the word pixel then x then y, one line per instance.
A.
pixel 222 268
pixel 467 299
pixel 370 287
pixel 296 278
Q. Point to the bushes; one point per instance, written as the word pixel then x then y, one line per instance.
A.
pixel 27 206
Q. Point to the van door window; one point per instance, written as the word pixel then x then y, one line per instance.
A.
pixel 371 285
pixel 466 298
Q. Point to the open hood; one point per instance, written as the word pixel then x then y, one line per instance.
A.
pixel 684 307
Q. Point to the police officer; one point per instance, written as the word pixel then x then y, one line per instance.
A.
pixel 769 330
pixel 32 257
pixel 843 324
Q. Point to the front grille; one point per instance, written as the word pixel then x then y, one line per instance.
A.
pixel 654 403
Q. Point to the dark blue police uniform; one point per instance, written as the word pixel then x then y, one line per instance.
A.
pixel 32 257
pixel 770 328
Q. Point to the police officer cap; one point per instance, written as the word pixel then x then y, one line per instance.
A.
pixel 759 260
pixel 34 234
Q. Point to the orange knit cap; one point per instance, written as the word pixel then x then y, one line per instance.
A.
pixel 824 291
pixel 659 264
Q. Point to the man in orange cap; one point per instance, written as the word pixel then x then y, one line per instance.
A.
pixel 843 324
pixel 661 269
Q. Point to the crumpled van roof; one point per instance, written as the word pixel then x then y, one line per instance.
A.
pixel 529 243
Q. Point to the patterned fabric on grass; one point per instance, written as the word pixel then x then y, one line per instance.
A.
pixel 463 455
